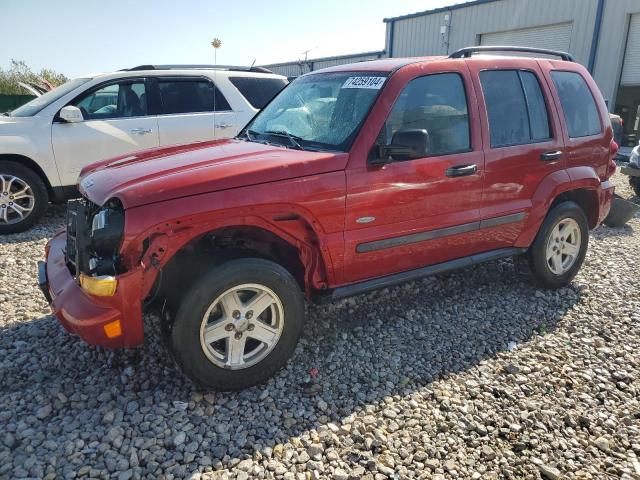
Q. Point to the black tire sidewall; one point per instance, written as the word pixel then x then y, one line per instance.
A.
pixel 537 253
pixel 185 331
pixel 39 191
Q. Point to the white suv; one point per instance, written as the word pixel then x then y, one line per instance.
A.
pixel 45 143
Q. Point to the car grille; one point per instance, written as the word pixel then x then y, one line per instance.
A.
pixel 79 214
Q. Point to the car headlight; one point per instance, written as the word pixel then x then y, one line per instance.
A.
pixel 634 160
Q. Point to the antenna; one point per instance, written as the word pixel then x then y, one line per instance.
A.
pixel 216 43
pixel 253 63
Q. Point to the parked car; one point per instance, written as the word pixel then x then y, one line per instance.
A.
pixel 353 178
pixel 45 143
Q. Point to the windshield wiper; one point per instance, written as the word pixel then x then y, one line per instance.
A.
pixel 283 133
pixel 6 114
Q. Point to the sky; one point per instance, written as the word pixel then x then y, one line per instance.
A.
pixel 76 37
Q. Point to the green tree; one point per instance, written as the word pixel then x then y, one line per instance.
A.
pixel 19 71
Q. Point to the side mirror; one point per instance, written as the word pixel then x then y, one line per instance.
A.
pixel 405 145
pixel 71 114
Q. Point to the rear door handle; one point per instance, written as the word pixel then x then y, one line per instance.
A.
pixel 551 156
pixel 461 170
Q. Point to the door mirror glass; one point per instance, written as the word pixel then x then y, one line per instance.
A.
pixel 406 145
pixel 71 114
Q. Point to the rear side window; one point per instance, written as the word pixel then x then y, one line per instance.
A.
pixel 258 91
pixel 436 103
pixel 515 106
pixel 578 105
pixel 191 96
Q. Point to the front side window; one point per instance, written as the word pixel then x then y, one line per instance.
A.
pixel 257 90
pixel 118 100
pixel 318 111
pixel 578 105
pixel 515 106
pixel 435 103
pixel 191 96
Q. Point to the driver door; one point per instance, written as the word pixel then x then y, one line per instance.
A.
pixel 116 122
pixel 415 212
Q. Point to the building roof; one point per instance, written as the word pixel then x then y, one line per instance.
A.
pixel 439 10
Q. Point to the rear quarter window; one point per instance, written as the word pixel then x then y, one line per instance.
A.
pixel 258 91
pixel 578 105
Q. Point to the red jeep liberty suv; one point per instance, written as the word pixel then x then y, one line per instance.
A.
pixel 353 178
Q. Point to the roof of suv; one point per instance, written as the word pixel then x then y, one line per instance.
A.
pixel 392 64
pixel 201 70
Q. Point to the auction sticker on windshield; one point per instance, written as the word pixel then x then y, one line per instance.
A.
pixel 364 82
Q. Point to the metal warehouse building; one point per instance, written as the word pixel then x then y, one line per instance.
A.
pixel 295 69
pixel 603 35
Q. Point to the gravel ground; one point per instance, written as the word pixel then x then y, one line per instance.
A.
pixel 474 374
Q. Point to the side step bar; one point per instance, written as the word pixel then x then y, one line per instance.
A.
pixel 396 278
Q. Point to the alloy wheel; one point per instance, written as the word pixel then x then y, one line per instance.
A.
pixel 563 246
pixel 17 199
pixel 242 326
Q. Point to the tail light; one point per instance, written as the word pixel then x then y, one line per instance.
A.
pixel 611 167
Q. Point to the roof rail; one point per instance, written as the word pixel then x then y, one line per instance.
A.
pixel 468 51
pixel 199 67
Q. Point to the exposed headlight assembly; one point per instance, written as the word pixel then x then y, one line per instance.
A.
pixel 107 228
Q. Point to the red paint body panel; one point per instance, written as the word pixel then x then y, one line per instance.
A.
pixel 188 170
pixel 316 202
pixel 411 196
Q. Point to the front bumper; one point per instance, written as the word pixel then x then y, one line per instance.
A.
pixel 84 314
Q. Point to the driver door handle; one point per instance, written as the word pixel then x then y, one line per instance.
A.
pixel 224 125
pixel 551 156
pixel 461 170
pixel 141 131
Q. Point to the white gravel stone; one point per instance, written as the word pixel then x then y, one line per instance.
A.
pixel 473 374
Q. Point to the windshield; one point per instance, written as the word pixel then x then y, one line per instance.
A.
pixel 38 103
pixel 318 111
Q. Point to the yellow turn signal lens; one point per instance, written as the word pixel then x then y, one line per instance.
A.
pixel 104 286
pixel 113 329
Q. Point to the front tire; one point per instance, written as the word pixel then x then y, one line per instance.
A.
pixel 238 324
pixel 559 249
pixel 23 197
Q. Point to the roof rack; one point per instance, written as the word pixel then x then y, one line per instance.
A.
pixel 468 51
pixel 199 67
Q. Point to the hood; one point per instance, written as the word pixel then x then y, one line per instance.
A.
pixel 7 123
pixel 167 173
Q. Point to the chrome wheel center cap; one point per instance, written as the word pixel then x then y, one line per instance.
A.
pixel 241 323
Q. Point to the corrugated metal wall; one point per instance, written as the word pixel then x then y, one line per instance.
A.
pixel 421 35
pixel 611 48
pixel 555 37
pixel 294 69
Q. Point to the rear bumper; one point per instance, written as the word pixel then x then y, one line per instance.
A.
pixel 84 314
pixel 605 197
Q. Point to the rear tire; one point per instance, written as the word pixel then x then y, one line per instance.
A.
pixel 217 339
pixel 23 197
pixel 559 249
